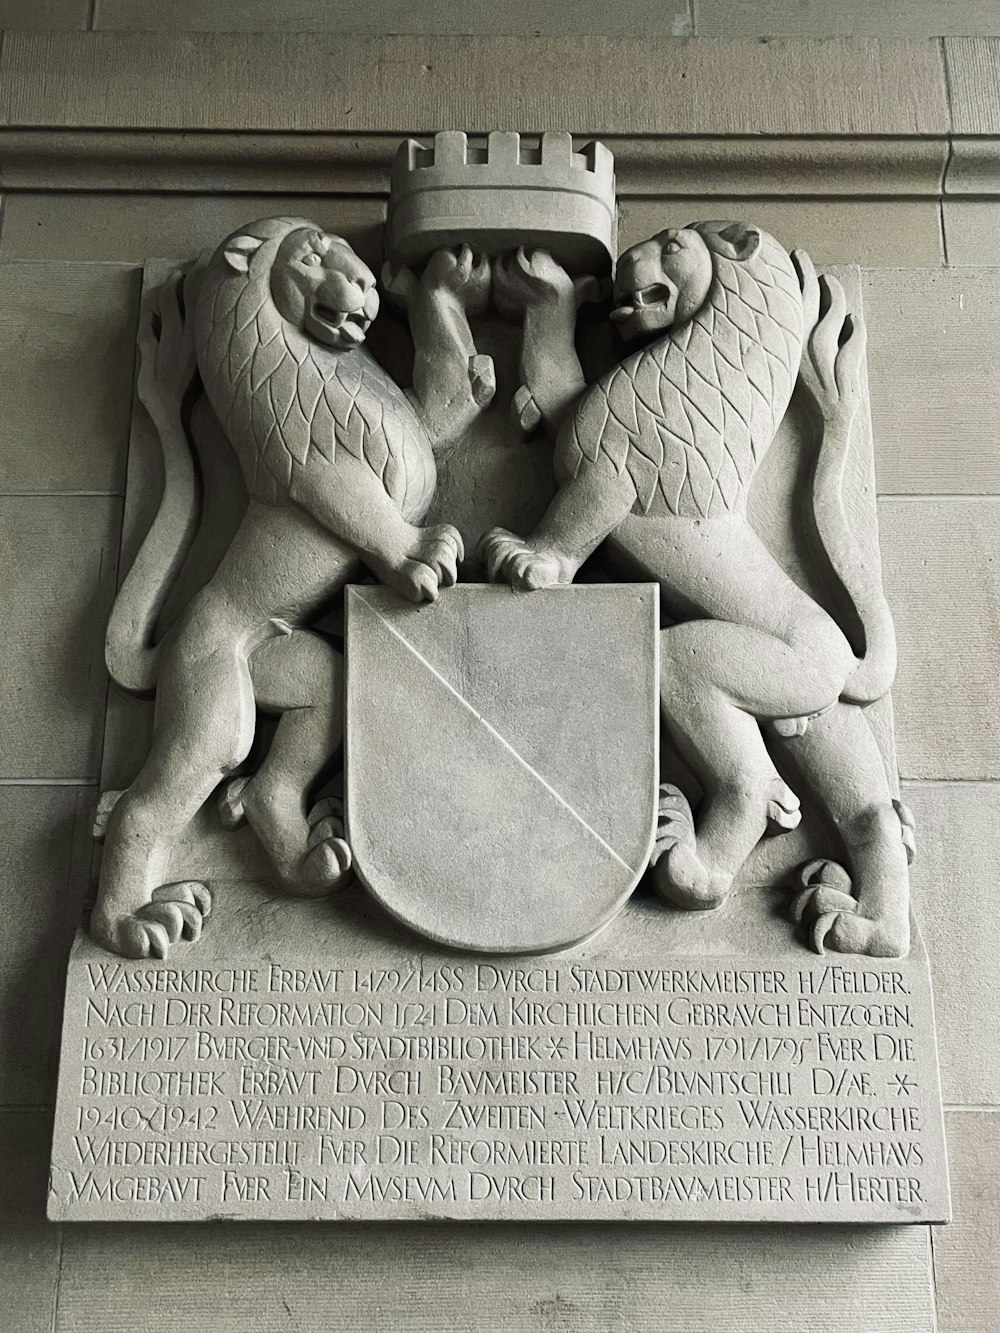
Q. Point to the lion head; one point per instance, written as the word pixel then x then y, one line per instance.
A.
pixel 664 281
pixel 318 284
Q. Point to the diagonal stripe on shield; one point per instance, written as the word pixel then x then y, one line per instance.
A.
pixel 501 759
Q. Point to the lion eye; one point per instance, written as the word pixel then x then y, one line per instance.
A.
pixel 312 260
pixel 671 247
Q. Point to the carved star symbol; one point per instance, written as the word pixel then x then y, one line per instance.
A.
pixel 559 1048
pixel 901 1084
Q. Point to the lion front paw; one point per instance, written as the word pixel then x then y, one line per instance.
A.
pixel 531 277
pixel 430 564
pixel 519 562
pixel 463 274
pixel 174 912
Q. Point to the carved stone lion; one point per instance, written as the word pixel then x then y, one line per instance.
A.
pixel 658 456
pixel 339 469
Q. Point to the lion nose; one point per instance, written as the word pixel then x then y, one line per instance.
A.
pixel 355 270
pixel 351 290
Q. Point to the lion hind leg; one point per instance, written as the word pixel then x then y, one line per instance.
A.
pixel 679 874
pixel 697 858
pixel 840 759
pixel 205 725
pixel 300 677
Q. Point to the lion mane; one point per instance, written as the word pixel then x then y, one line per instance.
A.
pixel 286 404
pixel 691 416
pixel 281 397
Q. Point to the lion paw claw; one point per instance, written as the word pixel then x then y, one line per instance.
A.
pixel 678 875
pixel 675 823
pixel 326 867
pixel 526 277
pixel 819 900
pixel 232 815
pixel 784 812
pixel 511 559
pixel 175 912
pixel 833 918
pixel 525 412
pixel 462 273
pixel 482 379
pixel 432 564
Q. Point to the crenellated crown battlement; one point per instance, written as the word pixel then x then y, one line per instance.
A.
pixel 503 191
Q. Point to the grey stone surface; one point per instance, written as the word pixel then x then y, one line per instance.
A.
pixel 30 1247
pixel 44 869
pixel 967 1251
pixel 43 14
pixel 64 416
pixel 391 84
pixel 58 554
pixel 958 855
pixel 102 226
pixel 496 1279
pixel 739 303
pixel 973 166
pixel 315 1061
pixel 341 17
pixel 972 231
pixel 943 581
pixel 973 65
pixel 926 327
pixel 872 232
pixel 798 1278
pixel 855 18
pixel 891 167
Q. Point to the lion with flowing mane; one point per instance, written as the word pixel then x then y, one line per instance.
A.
pixel 657 457
pixel 339 469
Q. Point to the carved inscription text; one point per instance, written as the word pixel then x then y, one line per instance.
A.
pixel 474 1089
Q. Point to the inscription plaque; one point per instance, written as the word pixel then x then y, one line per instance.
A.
pixel 616 1083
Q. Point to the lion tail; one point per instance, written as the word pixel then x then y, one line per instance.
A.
pixel 856 570
pixel 167 371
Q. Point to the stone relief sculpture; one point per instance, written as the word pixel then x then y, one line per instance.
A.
pixel 503 611
pixel 653 464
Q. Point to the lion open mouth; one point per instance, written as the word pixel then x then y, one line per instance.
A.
pixel 657 296
pixel 346 328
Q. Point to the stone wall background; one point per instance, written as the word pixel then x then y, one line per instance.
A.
pixel 119 138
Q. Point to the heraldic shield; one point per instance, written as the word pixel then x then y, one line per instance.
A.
pixel 502 758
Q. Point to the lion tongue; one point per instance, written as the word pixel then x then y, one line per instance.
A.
pixel 350 331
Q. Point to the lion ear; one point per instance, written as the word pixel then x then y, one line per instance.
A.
pixel 738 241
pixel 240 250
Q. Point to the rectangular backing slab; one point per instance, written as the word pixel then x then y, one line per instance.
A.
pixel 314 1060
